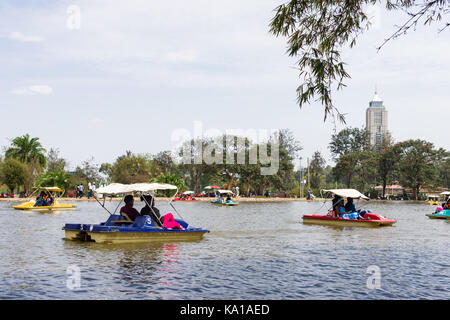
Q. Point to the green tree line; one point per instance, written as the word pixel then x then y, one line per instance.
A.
pixel 414 164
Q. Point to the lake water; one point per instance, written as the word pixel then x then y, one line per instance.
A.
pixel 254 251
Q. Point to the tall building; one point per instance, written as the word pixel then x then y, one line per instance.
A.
pixel 376 121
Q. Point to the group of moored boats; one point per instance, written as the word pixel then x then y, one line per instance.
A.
pixel 118 228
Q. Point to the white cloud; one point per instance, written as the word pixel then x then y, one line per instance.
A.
pixel 19 36
pixel 182 56
pixel 35 89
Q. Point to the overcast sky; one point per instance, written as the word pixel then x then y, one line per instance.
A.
pixel 129 73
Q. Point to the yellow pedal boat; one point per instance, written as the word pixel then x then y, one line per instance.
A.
pixel 55 206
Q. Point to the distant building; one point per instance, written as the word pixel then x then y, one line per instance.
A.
pixel 376 121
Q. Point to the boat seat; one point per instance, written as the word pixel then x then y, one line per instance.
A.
pixel 143 221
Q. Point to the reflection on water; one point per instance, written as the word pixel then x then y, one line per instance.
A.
pixel 254 251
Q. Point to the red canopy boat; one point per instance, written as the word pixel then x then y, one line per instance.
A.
pixel 370 219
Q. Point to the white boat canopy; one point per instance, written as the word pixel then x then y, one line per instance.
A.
pixel 445 193
pixel 225 191
pixel 188 192
pixel 118 188
pixel 348 193
pixel 53 189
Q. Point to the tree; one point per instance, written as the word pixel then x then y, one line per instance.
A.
pixel 165 162
pixel 345 168
pixel 316 170
pixel 54 162
pixel 289 147
pixel 417 164
pixel 26 150
pixel 192 164
pixel 318 30
pixel 59 179
pixel 88 171
pixel 349 140
pixel 13 173
pixel 106 170
pixel 173 180
pixel 387 162
pixel 443 167
pixel 134 168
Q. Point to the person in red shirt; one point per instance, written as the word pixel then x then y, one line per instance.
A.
pixel 127 210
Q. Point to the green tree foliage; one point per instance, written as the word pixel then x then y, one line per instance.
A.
pixel 289 148
pixel 192 164
pixel 443 168
pixel 59 179
pixel 387 163
pixel 349 140
pixel 173 180
pixel 54 162
pixel 316 171
pixel 317 31
pixel 165 162
pixel 345 168
pixel 134 168
pixel 13 173
pixel 27 150
pixel 106 170
pixel 87 172
pixel 417 164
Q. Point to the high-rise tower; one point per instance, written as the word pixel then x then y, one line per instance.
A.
pixel 376 121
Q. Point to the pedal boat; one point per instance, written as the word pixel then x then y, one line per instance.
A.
pixel 220 203
pixel 187 196
pixel 372 220
pixel 433 200
pixel 224 203
pixel 118 229
pixel 444 214
pixel 56 206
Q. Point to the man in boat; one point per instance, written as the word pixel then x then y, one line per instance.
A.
pixel 350 210
pixel 446 205
pixel 127 210
pixel 41 201
pixel 151 210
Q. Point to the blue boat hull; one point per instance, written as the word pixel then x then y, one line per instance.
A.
pixel 142 230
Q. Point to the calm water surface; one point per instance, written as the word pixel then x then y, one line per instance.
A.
pixel 254 251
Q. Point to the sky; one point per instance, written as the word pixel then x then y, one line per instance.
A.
pixel 94 78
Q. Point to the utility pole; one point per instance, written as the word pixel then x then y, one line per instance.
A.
pixel 301 179
pixel 309 179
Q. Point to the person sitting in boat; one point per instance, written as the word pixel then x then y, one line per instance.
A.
pixel 150 210
pixel 336 203
pixel 219 198
pixel 50 200
pixel 41 201
pixel 170 223
pixel 350 206
pixel 340 209
pixel 127 210
pixel 229 199
pixel 438 209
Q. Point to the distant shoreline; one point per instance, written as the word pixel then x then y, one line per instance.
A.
pixel 210 199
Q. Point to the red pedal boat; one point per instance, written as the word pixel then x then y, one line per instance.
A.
pixel 370 219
